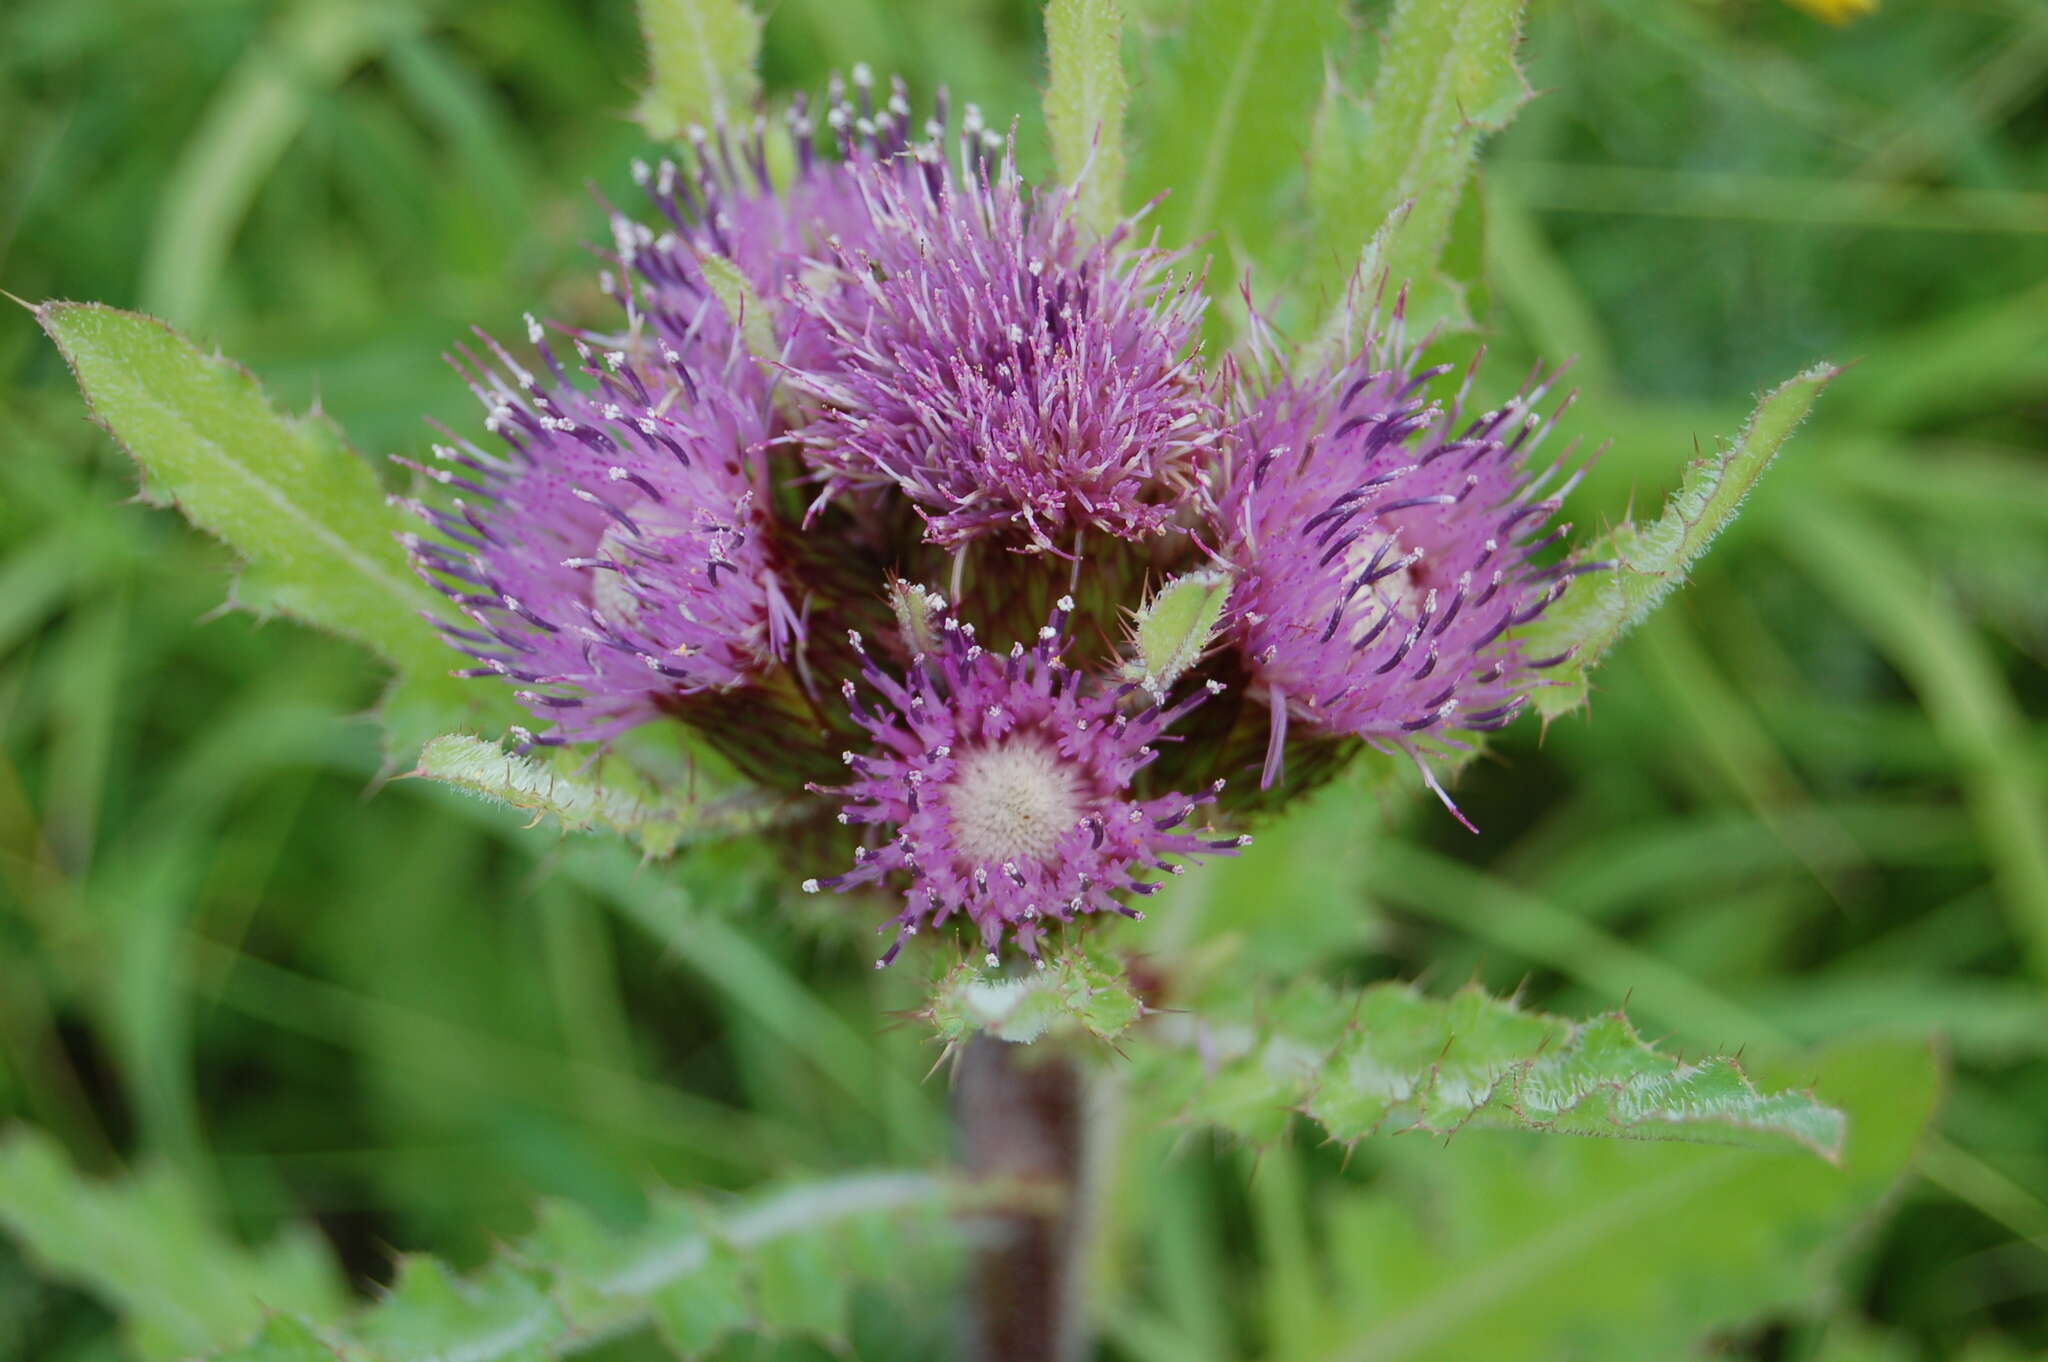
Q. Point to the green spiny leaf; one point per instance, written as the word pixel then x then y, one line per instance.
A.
pixel 1566 1249
pixel 1071 990
pixel 1174 627
pixel 1447 78
pixel 1084 103
pixel 700 57
pixel 695 1274
pixel 916 607
pixel 616 799
pixel 303 509
pixel 431 1314
pixel 1649 560
pixel 695 1313
pixel 147 1247
pixel 800 1287
pixel 1391 1059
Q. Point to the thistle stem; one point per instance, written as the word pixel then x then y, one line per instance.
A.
pixel 1020 1113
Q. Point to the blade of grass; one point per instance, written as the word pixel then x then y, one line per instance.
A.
pixel 251 121
pixel 1875 582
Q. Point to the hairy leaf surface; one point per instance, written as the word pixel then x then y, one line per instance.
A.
pixel 700 61
pixel 1074 990
pixel 611 798
pixel 1391 1059
pixel 1570 1249
pixel 1402 159
pixel 1084 103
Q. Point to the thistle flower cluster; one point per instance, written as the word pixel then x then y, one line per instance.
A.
pixel 880 462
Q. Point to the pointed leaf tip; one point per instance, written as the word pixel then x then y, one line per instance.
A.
pixel 319 539
pixel 1648 561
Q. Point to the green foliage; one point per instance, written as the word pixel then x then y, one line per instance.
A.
pixel 1174 627
pixel 1974 716
pixel 149 1249
pixel 736 295
pixel 1589 1249
pixel 780 1263
pixel 701 56
pixel 1402 159
pixel 1649 560
pixel 1808 803
pixel 1084 103
pixel 1074 991
pixel 1390 1058
pixel 304 510
pixel 613 798
pixel 1223 119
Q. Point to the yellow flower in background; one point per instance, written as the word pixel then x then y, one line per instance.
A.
pixel 1836 11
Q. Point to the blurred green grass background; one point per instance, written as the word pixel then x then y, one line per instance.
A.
pixel 1808 800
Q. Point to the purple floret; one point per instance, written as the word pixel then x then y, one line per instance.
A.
pixel 1004 373
pixel 1387 546
pixel 618 556
pixel 1000 785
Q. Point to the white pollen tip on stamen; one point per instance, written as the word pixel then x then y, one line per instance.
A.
pixel 1244 839
pixel 1047 634
pixel 1214 687
pixel 810 886
pixel 615 359
pixel 1065 603
pixel 991 959
pixel 533 331
pixel 862 75
pixel 616 473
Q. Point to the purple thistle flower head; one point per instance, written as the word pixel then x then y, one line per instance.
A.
pixel 1386 547
pixel 1006 375
pixel 723 199
pixel 618 558
pixel 1002 785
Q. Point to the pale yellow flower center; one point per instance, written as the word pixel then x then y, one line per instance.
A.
pixel 1012 801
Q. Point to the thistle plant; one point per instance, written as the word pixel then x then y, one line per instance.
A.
pixel 982 546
